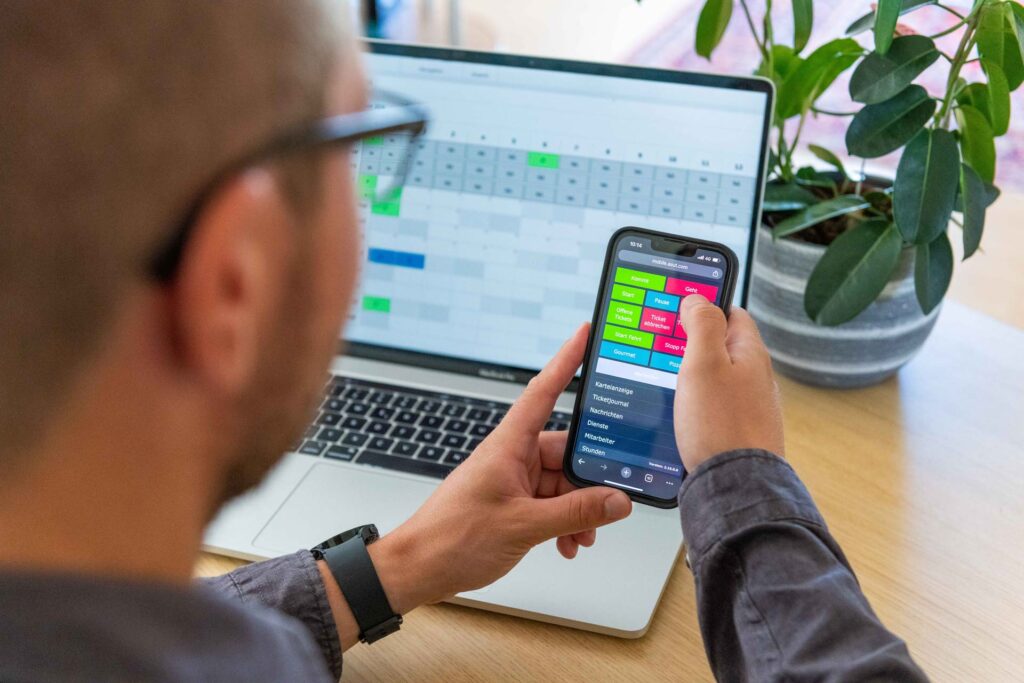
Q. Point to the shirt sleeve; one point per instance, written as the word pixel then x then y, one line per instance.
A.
pixel 292 585
pixel 776 597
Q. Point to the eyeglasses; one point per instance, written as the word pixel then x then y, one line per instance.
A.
pixel 387 132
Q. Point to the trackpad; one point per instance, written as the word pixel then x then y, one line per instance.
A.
pixel 333 498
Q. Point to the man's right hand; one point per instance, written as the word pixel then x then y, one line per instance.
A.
pixel 726 396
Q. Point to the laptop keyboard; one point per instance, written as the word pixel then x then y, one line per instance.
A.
pixel 407 430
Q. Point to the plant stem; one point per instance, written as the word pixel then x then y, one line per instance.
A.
pixel 949 30
pixel 765 54
pixel 961 55
pixel 950 10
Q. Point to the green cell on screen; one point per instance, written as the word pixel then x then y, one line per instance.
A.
pixel 626 315
pixel 385 208
pixel 542 159
pixel 372 141
pixel 379 304
pixel 366 185
pixel 631 337
pixel 638 278
pixel 631 295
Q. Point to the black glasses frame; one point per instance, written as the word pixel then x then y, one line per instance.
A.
pixel 401 116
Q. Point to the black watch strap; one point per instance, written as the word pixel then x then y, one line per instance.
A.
pixel 350 564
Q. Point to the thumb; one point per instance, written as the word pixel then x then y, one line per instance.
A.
pixel 579 510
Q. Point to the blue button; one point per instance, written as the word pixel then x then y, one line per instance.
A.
pixel 390 257
pixel 628 354
pixel 666 302
pixel 663 361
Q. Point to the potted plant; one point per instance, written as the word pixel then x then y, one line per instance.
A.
pixel 850 271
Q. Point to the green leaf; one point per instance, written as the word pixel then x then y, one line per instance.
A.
pixel 886 16
pixel 933 269
pixel 998 41
pixel 812 215
pixel 879 77
pixel 868 20
pixel 974 198
pixel 977 95
pixel 878 129
pixel 711 25
pixel 853 272
pixel 815 74
pixel 784 61
pixel 803 19
pixel 829 158
pixel 926 181
pixel 809 176
pixel 787 197
pixel 977 142
pixel 998 98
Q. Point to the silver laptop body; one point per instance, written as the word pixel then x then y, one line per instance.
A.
pixel 488 262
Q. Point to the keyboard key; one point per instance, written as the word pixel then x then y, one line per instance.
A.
pixel 406 448
pixel 498 415
pixel 453 441
pixel 382 413
pixel 356 394
pixel 380 443
pixel 329 434
pixel 358 409
pixel 406 417
pixel 559 416
pixel 431 421
pixel 481 430
pixel 561 426
pixel 335 390
pixel 456 457
pixel 472 444
pixel 400 464
pixel 377 427
pixel 431 453
pixel 428 436
pixel 334 404
pixel 403 432
pixel 381 397
pixel 346 453
pixel 329 419
pixel 404 402
pixel 428 406
pixel 352 422
pixel 456 426
pixel 549 425
pixel 313 447
pixel 453 410
pixel 354 439
pixel 478 414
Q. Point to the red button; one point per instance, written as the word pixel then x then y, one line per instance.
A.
pixel 685 288
pixel 669 345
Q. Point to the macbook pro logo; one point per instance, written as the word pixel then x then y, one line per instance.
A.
pixel 496 374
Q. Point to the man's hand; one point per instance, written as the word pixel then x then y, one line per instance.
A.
pixel 726 396
pixel 508 496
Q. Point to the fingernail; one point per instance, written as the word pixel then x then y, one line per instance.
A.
pixel 616 506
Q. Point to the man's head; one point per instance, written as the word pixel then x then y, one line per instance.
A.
pixel 116 115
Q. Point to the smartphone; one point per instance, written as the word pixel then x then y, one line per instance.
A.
pixel 621 433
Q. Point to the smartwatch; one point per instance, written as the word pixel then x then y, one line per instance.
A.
pixel 350 564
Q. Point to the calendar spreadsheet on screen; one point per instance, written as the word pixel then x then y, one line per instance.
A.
pixel 492 250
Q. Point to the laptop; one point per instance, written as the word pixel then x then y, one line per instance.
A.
pixel 477 273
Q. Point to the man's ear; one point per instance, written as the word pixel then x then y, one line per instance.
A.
pixel 231 280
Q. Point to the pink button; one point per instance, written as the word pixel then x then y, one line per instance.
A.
pixel 680 332
pixel 669 345
pixel 685 288
pixel 654 320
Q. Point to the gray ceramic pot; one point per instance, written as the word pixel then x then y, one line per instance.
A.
pixel 863 351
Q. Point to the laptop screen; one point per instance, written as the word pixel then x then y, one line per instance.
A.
pixel 492 255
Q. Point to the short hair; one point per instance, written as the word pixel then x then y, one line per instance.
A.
pixel 115 115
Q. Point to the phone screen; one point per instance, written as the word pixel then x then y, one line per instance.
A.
pixel 622 433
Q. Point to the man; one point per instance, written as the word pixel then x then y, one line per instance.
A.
pixel 133 406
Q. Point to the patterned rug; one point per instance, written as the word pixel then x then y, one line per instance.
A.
pixel 672 47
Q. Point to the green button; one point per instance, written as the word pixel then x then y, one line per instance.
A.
pixel 631 294
pixel 366 185
pixel 385 208
pixel 377 303
pixel 623 314
pixel 542 159
pixel 375 140
pixel 640 279
pixel 631 337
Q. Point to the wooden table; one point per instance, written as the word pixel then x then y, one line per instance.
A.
pixel 921 480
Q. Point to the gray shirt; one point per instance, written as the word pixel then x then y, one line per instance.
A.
pixel 776 599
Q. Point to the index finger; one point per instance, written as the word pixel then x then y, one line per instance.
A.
pixel 532 409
